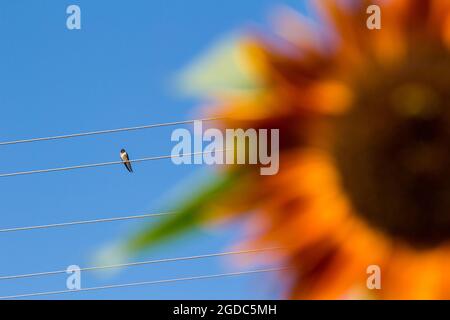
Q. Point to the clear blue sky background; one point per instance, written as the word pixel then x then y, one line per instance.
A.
pixel 115 72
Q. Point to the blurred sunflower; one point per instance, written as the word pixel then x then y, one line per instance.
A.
pixel 364 121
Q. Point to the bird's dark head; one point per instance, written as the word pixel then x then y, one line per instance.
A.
pixel 122 151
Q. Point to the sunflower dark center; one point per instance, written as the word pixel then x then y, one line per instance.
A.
pixel 393 150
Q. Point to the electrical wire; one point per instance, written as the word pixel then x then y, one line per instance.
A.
pixel 99 132
pixel 82 222
pixel 140 263
pixel 135 284
pixel 94 165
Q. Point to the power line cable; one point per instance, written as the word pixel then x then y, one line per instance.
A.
pixel 93 165
pixel 99 132
pixel 134 284
pixel 82 222
pixel 141 263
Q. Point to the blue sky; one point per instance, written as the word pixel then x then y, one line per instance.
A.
pixel 114 72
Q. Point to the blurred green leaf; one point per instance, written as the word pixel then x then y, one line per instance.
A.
pixel 222 69
pixel 189 215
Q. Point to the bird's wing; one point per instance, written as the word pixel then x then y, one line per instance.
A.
pixel 128 165
pixel 127 162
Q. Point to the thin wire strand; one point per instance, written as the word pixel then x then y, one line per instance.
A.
pixel 82 222
pixel 141 263
pixel 93 165
pixel 135 284
pixel 91 133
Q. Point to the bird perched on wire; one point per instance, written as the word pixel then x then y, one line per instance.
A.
pixel 126 160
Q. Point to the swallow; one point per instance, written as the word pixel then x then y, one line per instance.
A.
pixel 126 160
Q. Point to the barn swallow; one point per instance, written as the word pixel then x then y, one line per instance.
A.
pixel 126 160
